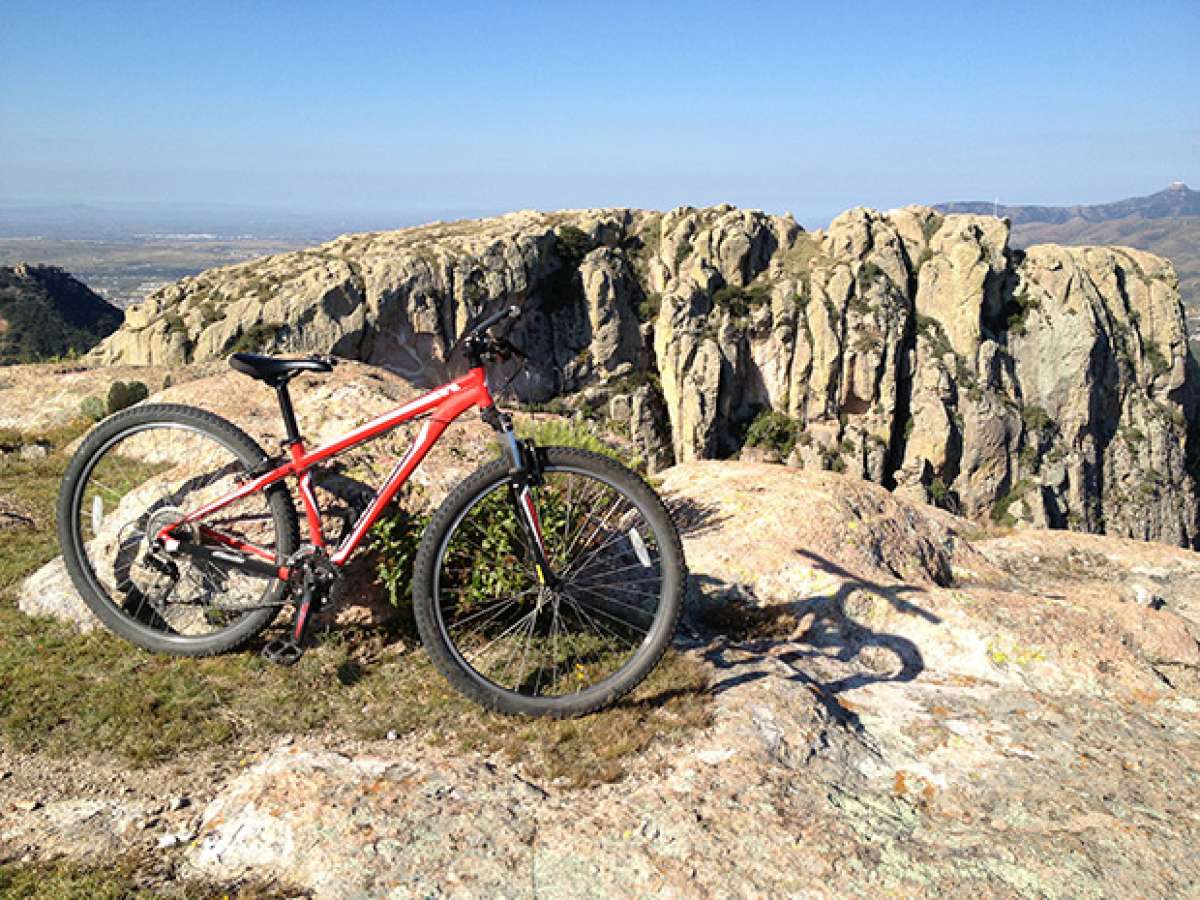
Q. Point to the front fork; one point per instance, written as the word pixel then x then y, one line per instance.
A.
pixel 525 473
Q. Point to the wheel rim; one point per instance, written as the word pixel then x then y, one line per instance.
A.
pixel 512 633
pixel 141 480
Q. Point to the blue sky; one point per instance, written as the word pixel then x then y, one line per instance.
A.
pixel 413 108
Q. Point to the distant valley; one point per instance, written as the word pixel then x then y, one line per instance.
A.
pixel 126 270
pixel 125 252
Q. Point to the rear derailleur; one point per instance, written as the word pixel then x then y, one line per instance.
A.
pixel 315 579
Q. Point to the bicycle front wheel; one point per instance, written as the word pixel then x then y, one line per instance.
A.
pixel 568 643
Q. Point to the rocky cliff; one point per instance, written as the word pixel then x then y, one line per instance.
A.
pixel 45 312
pixel 1050 386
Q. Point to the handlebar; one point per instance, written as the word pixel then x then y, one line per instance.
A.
pixel 479 344
pixel 509 312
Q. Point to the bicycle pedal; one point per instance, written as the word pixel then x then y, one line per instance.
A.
pixel 282 652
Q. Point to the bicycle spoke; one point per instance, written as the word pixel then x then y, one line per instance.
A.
pixel 144 480
pixel 581 627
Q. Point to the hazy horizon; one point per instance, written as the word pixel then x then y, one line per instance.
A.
pixel 118 217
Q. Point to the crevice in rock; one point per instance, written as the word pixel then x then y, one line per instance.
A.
pixel 906 371
pixel 906 363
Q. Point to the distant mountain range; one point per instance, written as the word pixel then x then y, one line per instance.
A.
pixel 45 312
pixel 1176 201
pixel 1166 223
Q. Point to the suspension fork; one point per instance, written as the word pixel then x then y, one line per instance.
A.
pixel 524 474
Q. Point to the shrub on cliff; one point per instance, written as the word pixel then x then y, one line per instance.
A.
pixel 774 431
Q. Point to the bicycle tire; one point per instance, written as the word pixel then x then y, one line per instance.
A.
pixel 466 679
pixel 248 453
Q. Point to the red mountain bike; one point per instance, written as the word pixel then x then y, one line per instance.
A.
pixel 549 582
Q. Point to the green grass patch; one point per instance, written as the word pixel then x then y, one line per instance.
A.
pixel 565 433
pixel 65 693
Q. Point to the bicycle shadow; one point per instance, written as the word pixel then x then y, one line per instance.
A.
pixel 694 518
pixel 830 638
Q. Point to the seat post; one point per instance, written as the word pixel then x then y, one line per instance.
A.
pixel 289 414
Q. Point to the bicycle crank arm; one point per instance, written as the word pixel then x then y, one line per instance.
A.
pixel 221 557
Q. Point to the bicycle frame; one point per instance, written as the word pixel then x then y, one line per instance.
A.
pixel 445 404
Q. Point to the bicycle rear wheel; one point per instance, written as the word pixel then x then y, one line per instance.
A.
pixel 577 642
pixel 140 471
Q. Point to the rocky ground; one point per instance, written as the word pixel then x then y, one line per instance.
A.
pixel 899 703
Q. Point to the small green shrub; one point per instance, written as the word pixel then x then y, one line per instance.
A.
pixel 175 323
pixel 931 330
pixel 573 244
pixel 1158 362
pixel 395 539
pixel 256 338
pixel 92 408
pixel 1133 436
pixel 210 314
pixel 123 394
pixel 1000 513
pixel 740 300
pixel 869 273
pixel 649 241
pixel 1036 418
pixel 682 251
pixel 648 309
pixel 931 227
pixel 938 491
pixel 562 287
pixel 1018 311
pixel 774 431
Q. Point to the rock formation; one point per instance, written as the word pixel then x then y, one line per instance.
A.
pixel 1050 386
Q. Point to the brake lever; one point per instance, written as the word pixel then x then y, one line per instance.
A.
pixel 503 350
